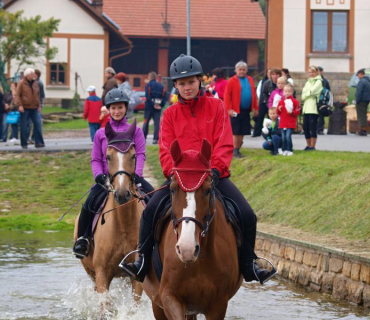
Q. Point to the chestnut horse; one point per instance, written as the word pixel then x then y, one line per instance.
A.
pixel 118 235
pixel 198 247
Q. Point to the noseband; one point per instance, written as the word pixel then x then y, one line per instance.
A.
pixel 208 219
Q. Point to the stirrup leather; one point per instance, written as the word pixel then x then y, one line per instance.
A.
pixel 123 264
pixel 82 241
pixel 271 273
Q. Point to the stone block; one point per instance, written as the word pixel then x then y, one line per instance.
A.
pixel 285 270
pixel 280 266
pixel 314 260
pixel 293 272
pixel 307 258
pixel 282 251
pixel 267 245
pixel 355 291
pixel 366 296
pixel 275 249
pixel 316 277
pixel 315 287
pixel 365 274
pixel 289 253
pixel 335 265
pixel 299 255
pixel 340 290
pixel 303 276
pixel 355 271
pixel 259 244
pixel 327 283
pixel 347 269
pixel 325 263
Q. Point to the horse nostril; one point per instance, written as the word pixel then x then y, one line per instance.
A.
pixel 178 249
pixel 196 252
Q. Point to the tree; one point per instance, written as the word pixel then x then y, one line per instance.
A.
pixel 24 39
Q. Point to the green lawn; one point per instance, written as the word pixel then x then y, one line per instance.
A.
pixel 319 192
pixel 76 124
pixel 52 109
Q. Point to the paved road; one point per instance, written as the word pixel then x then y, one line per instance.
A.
pixel 349 142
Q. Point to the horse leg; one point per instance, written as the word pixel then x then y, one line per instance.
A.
pixel 173 308
pixel 217 311
pixel 137 290
pixel 102 280
pixel 158 312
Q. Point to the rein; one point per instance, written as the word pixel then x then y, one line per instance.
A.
pixel 136 197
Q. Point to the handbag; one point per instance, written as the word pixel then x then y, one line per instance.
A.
pixel 13 117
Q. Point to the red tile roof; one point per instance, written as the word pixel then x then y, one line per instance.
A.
pixel 210 19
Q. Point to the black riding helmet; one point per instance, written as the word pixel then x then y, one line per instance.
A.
pixel 185 66
pixel 116 95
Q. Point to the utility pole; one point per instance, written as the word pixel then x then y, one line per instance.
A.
pixel 188 39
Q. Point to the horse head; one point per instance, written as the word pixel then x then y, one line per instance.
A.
pixel 192 196
pixel 121 160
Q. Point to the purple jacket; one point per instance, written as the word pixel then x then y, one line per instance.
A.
pixel 99 150
pixel 277 91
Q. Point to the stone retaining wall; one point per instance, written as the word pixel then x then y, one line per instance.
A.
pixel 345 276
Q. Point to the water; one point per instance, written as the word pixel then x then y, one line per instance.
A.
pixel 39 279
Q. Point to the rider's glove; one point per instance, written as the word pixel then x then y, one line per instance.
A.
pixel 101 179
pixel 215 177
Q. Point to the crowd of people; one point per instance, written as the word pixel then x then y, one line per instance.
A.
pixel 21 110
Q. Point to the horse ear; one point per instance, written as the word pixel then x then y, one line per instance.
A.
pixel 205 152
pixel 131 130
pixel 109 131
pixel 176 151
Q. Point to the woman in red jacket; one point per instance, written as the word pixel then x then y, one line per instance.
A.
pixel 193 118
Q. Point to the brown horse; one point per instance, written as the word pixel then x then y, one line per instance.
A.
pixel 198 248
pixel 118 235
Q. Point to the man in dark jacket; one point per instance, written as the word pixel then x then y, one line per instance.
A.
pixel 110 83
pixel 325 84
pixel 362 101
pixel 155 100
pixel 268 87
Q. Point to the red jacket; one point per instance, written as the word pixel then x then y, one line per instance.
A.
pixel 233 93
pixel 189 123
pixel 220 87
pixel 288 120
pixel 93 105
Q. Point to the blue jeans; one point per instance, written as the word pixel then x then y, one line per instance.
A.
pixel 35 117
pixel 150 113
pixel 14 133
pixel 276 143
pixel 93 128
pixel 4 129
pixel 286 135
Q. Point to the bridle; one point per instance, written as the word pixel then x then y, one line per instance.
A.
pixel 208 219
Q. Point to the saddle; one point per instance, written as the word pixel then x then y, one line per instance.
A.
pixel 163 213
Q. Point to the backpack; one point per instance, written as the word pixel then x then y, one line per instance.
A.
pixel 325 103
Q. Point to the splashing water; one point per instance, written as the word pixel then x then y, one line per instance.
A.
pixel 84 302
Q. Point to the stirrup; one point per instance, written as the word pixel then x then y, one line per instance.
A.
pixel 271 273
pixel 80 255
pixel 123 264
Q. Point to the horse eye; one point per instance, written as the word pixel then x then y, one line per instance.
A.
pixel 108 158
pixel 172 191
pixel 133 157
pixel 208 191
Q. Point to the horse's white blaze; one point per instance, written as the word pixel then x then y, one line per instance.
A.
pixel 187 238
pixel 121 177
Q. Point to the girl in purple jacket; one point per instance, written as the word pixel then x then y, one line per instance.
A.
pixel 116 101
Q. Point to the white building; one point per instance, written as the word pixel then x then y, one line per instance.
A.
pixel 330 33
pixel 83 40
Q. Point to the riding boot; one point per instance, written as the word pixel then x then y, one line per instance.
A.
pixel 140 267
pixel 249 268
pixel 81 247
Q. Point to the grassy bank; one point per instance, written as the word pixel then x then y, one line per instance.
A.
pixel 320 192
pixel 36 188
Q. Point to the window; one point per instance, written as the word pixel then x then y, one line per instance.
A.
pixel 330 31
pixel 58 73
